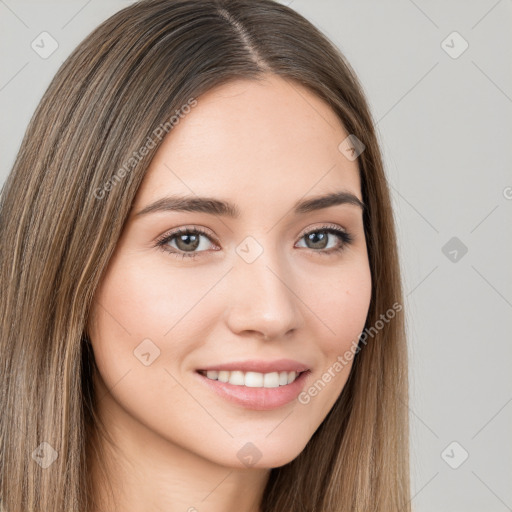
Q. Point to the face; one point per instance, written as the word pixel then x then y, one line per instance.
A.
pixel 269 291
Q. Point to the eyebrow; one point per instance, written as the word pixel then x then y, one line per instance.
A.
pixel 213 206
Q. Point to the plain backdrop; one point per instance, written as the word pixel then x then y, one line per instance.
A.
pixel 438 77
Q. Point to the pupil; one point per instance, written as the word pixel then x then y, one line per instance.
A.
pixel 321 236
pixel 192 243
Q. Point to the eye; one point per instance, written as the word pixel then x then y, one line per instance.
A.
pixel 319 239
pixel 187 240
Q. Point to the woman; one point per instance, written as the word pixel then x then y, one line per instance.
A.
pixel 200 282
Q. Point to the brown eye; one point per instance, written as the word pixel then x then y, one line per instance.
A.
pixel 319 239
pixel 186 242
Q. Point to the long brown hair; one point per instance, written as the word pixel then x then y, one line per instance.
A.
pixel 62 210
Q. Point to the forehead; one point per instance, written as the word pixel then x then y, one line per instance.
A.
pixel 253 141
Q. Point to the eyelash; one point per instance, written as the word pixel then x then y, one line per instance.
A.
pixel 162 241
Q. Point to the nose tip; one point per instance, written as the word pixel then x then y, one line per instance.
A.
pixel 262 302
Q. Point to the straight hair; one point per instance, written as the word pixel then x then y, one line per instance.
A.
pixel 62 211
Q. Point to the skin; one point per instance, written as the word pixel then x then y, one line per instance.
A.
pixel 263 146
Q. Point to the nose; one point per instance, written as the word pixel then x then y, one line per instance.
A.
pixel 263 298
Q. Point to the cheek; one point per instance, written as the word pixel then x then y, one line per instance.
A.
pixel 140 302
pixel 143 314
pixel 341 307
pixel 340 303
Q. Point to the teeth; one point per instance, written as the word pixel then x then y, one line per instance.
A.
pixel 236 378
pixel 223 376
pixel 253 379
pixel 271 380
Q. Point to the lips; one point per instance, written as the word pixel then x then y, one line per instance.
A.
pixel 256 384
pixel 259 366
pixel 257 398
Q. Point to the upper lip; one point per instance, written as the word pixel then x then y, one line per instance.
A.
pixel 260 366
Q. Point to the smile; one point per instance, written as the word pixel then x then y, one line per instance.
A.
pixel 252 379
pixel 255 390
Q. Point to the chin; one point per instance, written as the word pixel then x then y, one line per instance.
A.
pixel 264 454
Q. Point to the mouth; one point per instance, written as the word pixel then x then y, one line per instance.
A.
pixel 253 379
pixel 254 390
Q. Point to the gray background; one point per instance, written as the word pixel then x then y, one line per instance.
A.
pixel 443 120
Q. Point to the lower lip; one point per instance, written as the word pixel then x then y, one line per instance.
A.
pixel 258 399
